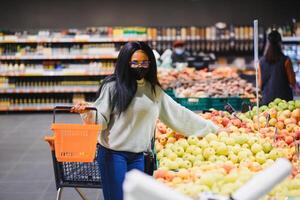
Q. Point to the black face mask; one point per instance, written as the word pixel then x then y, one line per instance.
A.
pixel 139 73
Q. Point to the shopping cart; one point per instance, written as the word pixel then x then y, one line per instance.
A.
pixel 73 148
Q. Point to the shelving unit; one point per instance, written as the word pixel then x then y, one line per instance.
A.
pixel 291 48
pixel 84 55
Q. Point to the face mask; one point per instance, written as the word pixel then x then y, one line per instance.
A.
pixel 139 73
pixel 179 51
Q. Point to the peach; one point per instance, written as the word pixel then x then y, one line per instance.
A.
pixel 160 173
pixel 273 113
pixel 272 121
pixel 279 125
pixel 163 140
pixel 288 139
pixel 169 176
pixel 296 113
pixel 288 121
pixel 183 174
pixel 225 121
pixel 171 140
pixel 158 146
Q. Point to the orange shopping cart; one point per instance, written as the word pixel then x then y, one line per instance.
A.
pixel 73 148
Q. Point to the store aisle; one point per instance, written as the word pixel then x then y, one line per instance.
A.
pixel 26 171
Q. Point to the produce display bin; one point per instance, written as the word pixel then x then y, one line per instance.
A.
pixel 170 92
pixel 195 104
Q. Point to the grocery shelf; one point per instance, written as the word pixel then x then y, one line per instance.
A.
pixel 69 57
pixel 41 107
pixel 71 40
pixel 291 39
pixel 58 89
pixel 53 73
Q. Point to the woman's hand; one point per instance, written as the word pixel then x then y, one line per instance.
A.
pixel 80 107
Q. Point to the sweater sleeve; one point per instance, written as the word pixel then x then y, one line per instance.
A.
pixel 103 105
pixel 183 120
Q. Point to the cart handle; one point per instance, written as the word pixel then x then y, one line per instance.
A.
pixel 50 140
pixel 69 108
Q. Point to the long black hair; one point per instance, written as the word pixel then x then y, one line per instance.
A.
pixel 125 83
pixel 273 52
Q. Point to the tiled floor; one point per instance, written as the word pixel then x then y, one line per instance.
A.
pixel 26 171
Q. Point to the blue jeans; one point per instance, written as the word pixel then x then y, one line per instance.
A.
pixel 113 166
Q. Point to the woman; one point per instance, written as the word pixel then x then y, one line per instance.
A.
pixel 276 74
pixel 129 104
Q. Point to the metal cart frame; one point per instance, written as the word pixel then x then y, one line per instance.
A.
pixel 74 174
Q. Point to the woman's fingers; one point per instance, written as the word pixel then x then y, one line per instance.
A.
pixel 79 107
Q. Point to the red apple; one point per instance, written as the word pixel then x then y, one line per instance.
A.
pixel 288 139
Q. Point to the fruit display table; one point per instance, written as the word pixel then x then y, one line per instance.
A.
pixel 245 145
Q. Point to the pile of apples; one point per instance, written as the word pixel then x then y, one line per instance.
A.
pixel 215 178
pixel 222 162
pixel 282 115
pixel 238 149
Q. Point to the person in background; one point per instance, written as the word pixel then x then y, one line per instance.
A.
pixel 276 75
pixel 129 104
pixel 179 55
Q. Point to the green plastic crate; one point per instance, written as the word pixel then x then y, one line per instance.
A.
pixel 235 102
pixel 195 104
pixel 170 92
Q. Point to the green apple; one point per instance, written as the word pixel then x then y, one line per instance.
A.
pixel 277 101
pixel 291 107
pixel 222 149
pixel 234 158
pixel 214 144
pixel 222 158
pixel 272 105
pixel 267 147
pixel 190 149
pixel 203 144
pixel 255 148
pixel 193 140
pixel 241 139
pixel 169 146
pixel 252 140
pixel 246 146
pixel 172 156
pixel 178 150
pixel 186 164
pixel 189 157
pixel 199 157
pixel 183 143
pixel 297 104
pixel 236 149
pixel 274 154
pixel 242 155
pixel 159 155
pixel 208 152
pixel 173 165
pixel 223 134
pixel 230 141
pixel 165 163
pixel 223 139
pixel 213 158
pixel 197 163
pixel 197 151
pixel 261 157
pixel 179 161
pixel 167 152
pixel 283 105
pixel 211 137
